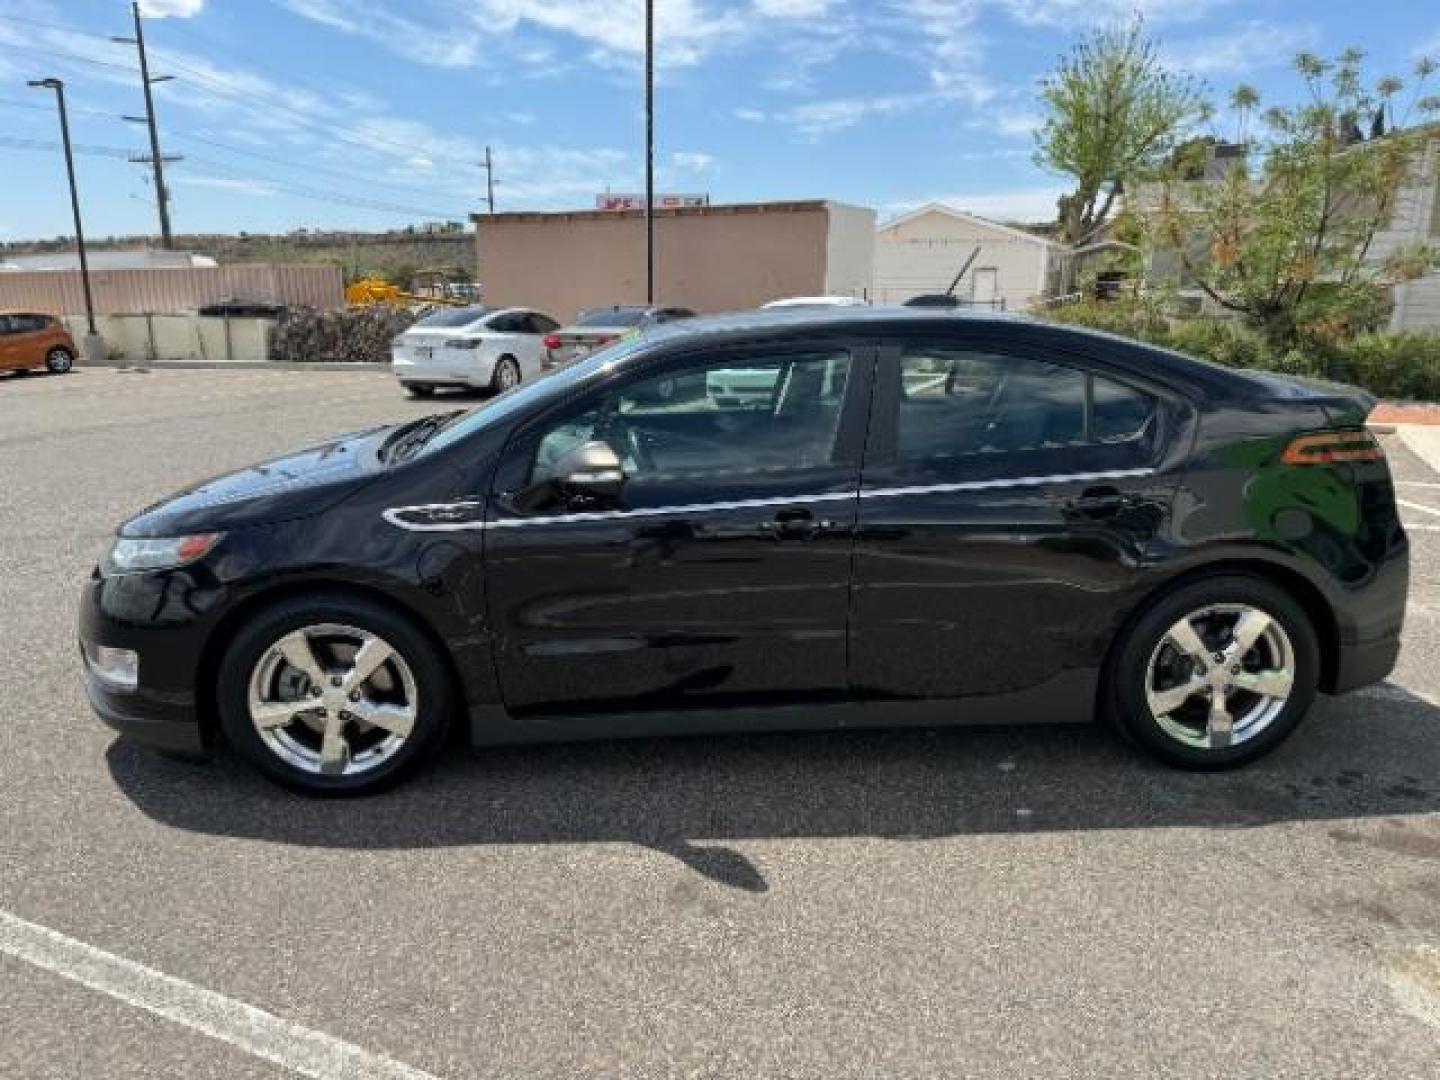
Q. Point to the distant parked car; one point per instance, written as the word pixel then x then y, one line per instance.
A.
pixel 933 300
pixel 476 347
pixel 808 302
pixel 598 327
pixel 31 340
pixel 244 309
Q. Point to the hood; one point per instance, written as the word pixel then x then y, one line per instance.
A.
pixel 294 486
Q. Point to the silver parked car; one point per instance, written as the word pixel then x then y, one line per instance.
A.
pixel 599 327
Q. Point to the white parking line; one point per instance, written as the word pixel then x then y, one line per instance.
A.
pixel 300 1049
pixel 1417 483
pixel 1417 506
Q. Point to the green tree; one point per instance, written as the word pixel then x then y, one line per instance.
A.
pixel 1113 114
pixel 1285 231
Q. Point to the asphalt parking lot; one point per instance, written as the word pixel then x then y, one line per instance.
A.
pixel 1018 902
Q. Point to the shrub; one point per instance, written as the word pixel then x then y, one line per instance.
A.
pixel 1404 366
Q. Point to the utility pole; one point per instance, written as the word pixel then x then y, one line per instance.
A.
pixel 156 159
pixel 489 168
pixel 59 87
pixel 650 151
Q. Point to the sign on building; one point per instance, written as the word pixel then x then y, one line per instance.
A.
pixel 610 201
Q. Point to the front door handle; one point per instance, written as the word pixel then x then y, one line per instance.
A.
pixel 1096 502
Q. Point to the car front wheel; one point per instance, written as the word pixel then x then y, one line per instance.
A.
pixel 59 360
pixel 1216 673
pixel 333 695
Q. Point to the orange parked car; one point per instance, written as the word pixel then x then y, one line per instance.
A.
pixel 30 340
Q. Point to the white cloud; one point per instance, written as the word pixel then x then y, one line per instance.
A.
pixel 815 119
pixel 1076 14
pixel 171 9
pixel 793 9
pixel 750 116
pixel 451 43
pixel 222 183
pixel 1249 47
pixel 1011 204
pixel 691 161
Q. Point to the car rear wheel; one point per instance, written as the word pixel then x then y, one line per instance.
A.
pixel 59 360
pixel 1216 673
pixel 333 696
pixel 506 375
pixel 419 390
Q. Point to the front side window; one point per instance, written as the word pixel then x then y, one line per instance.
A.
pixel 957 403
pixel 727 417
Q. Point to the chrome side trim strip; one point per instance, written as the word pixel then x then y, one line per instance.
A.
pixel 1012 482
pixel 396 515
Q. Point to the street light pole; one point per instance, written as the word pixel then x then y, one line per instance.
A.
pixel 650 151
pixel 59 87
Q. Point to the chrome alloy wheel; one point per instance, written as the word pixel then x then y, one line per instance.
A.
pixel 333 700
pixel 1220 676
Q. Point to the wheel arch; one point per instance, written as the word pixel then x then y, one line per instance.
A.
pixel 208 670
pixel 1304 591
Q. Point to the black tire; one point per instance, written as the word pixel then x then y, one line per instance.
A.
pixel 1124 691
pixel 260 633
pixel 419 390
pixel 497 385
pixel 59 360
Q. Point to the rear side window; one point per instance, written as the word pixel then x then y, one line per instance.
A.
pixel 957 403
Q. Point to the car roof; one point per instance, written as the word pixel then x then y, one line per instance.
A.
pixel 778 324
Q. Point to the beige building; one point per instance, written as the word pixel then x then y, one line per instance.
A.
pixel 707 258
pixel 923 251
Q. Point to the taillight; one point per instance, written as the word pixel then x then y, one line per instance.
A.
pixel 551 341
pixel 1333 448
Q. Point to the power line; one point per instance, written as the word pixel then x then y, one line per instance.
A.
pixel 342 198
pixel 288 163
pixel 80 148
pixel 30 50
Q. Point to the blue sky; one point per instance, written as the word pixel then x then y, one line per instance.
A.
pixel 374 113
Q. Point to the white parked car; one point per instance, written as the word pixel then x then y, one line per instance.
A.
pixel 476 347
pixel 803 302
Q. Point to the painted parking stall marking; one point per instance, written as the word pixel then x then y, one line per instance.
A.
pixel 300 1049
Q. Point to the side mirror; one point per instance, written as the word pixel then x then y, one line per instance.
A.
pixel 591 470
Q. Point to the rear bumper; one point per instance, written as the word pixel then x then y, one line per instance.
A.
pixel 445 368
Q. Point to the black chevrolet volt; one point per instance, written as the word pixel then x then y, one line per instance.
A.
pixel 847 518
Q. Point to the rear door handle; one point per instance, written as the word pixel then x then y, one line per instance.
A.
pixel 795 522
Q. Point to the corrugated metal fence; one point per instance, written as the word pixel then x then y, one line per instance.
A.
pixel 170 290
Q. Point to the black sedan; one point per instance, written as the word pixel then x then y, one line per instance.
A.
pixel 905 518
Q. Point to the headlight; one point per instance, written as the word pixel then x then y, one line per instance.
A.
pixel 463 343
pixel 131 553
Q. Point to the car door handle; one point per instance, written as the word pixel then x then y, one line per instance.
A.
pixel 795 522
pixel 1096 502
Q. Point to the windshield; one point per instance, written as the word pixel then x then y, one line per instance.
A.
pixel 613 316
pixel 514 402
pixel 455 316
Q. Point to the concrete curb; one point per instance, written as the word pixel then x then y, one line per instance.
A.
pixel 237 365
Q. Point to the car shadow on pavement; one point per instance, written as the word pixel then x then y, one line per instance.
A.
pixel 1373 755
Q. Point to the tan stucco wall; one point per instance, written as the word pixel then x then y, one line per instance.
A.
pixel 719 259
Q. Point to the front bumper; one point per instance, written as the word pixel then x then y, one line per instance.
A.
pixel 157 724
pixel 161 711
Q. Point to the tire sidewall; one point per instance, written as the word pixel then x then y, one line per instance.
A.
pixel 432 686
pixel 66 361
pixel 1127 672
